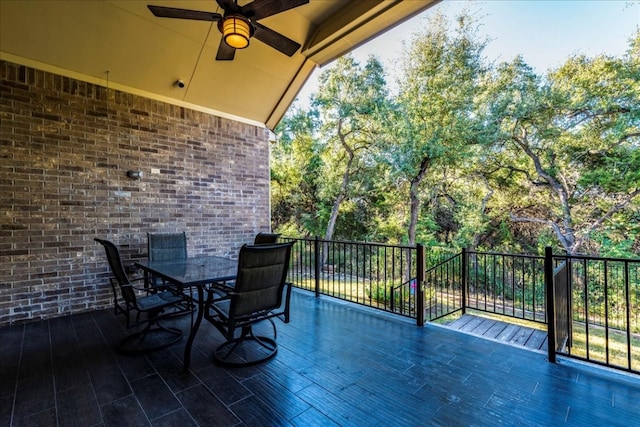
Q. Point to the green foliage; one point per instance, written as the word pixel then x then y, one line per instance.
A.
pixel 351 105
pixel 328 153
pixel 467 153
pixel 436 122
pixel 567 144
pixel 295 166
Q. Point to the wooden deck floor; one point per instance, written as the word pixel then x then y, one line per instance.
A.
pixel 337 365
pixel 509 333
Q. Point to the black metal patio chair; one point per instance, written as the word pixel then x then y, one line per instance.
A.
pixel 166 247
pixel 129 298
pixel 261 293
pixel 265 238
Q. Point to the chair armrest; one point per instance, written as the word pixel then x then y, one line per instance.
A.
pixel 215 294
pixel 219 288
pixel 144 288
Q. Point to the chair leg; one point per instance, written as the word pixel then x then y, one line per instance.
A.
pixel 247 349
pixel 154 336
pixel 185 307
pixel 262 339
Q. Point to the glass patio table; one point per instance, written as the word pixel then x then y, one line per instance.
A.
pixel 195 272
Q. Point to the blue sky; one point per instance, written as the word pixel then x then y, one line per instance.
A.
pixel 544 32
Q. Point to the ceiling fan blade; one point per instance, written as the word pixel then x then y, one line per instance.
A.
pixel 229 6
pixel 225 52
pixel 275 40
pixel 172 12
pixel 259 9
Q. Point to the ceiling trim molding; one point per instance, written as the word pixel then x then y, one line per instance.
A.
pixel 289 95
pixel 357 23
pixel 112 85
pixel 354 15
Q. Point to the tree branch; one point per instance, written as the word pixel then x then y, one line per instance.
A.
pixel 597 223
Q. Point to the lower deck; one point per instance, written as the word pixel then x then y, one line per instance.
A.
pixel 507 332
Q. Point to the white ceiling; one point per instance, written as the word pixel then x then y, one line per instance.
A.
pixel 120 43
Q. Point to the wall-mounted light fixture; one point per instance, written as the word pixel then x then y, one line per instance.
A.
pixel 134 174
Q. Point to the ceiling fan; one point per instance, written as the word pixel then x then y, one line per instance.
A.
pixel 239 24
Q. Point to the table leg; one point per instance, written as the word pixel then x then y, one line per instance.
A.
pixel 147 279
pixel 194 328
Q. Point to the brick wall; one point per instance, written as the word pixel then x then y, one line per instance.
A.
pixel 65 149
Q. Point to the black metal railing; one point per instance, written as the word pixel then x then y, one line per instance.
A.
pixel 603 304
pixel 385 277
pixel 443 288
pixel 506 284
pixel 594 303
pixel 371 274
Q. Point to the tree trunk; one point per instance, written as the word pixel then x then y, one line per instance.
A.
pixel 414 200
pixel 342 194
pixel 565 234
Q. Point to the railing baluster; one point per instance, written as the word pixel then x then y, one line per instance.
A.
pixel 316 264
pixel 606 310
pixel 463 268
pixel 419 280
pixel 513 286
pixel 628 312
pixel 586 305
pixel 532 303
pixel 484 280
pixel 504 284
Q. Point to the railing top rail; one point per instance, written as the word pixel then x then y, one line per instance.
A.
pixel 346 242
pixel 469 252
pixel 506 254
pixel 405 283
pixel 595 258
pixel 443 262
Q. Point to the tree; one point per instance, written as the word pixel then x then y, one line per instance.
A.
pixel 467 154
pixel 436 121
pixel 351 106
pixel 568 143
pixel 295 171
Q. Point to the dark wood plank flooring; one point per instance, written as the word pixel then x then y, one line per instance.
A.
pixel 503 331
pixel 337 365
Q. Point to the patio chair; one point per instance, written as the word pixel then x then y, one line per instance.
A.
pixel 166 247
pixel 265 238
pixel 139 299
pixel 261 293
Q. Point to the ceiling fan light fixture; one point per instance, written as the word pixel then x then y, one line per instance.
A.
pixel 236 31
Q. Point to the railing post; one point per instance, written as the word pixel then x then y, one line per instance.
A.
pixel 551 315
pixel 464 279
pixel 628 310
pixel 316 266
pixel 419 283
